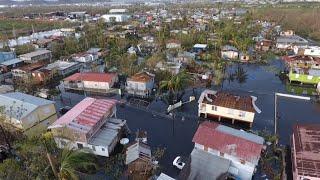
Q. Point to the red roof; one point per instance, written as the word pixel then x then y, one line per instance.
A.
pixel 228 141
pixel 92 76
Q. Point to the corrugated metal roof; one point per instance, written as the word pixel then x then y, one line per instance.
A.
pixel 18 105
pixel 85 114
pixel 205 166
pixel 35 53
pixel 224 140
pixel 91 76
pixel 164 177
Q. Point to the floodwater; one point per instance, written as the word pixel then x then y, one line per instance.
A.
pixel 175 134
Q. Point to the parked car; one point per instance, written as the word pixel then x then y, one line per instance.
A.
pixel 177 162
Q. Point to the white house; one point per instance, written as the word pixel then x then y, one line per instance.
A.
pixel 226 105
pixel 229 52
pixel 36 56
pixel 90 82
pixel 140 84
pixel 89 125
pixel 173 44
pixel 219 149
pixel 28 113
pixel 288 42
pixel 115 17
pixel 307 50
pixel 64 68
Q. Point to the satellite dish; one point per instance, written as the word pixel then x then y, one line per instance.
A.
pixel 124 141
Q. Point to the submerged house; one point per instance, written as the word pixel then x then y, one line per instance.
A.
pixel 90 82
pixel 91 125
pixel 30 114
pixel 227 105
pixel 220 152
pixel 305 155
pixel 140 84
pixel 303 69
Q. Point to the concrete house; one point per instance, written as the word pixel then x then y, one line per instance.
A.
pixel 90 82
pixel 173 44
pixel 307 51
pixel 220 150
pixel 305 151
pixel 28 113
pixel 140 84
pixel 229 52
pixel 288 42
pixel 226 105
pixel 89 125
pixel 139 160
pixel 36 56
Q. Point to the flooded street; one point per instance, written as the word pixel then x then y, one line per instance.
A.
pixel 175 134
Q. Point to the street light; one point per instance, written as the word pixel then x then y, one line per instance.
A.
pixel 275 105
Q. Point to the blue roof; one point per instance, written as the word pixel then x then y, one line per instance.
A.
pixel 5 56
pixel 12 61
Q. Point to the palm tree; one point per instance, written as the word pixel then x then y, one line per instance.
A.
pixel 69 162
pixel 176 83
pixel 74 160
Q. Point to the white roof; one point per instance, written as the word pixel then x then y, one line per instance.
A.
pixel 61 65
pixel 202 46
pixel 118 10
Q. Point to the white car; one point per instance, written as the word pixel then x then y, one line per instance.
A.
pixel 177 162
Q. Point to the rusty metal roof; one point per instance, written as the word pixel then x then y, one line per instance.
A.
pixel 306 149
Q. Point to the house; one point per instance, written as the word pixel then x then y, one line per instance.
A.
pixel 64 68
pixel 307 51
pixel 229 52
pixel 91 82
pixel 28 113
pixel 139 160
pixel 36 56
pixel 288 42
pixel 8 65
pixel 173 44
pixel 89 125
pixel 24 73
pixel 305 156
pixel 140 84
pixel 303 69
pixel 264 45
pixel 115 18
pixel 220 151
pixel 5 56
pixel 200 48
pixel 84 57
pixel 172 67
pixel 227 105
pixel 287 33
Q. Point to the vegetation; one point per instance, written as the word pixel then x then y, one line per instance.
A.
pixel 304 20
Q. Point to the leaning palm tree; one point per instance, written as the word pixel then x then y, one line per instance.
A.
pixel 73 161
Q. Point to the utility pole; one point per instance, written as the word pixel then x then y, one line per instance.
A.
pixel 275 106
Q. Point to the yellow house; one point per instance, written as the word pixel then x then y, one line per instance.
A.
pixel 30 114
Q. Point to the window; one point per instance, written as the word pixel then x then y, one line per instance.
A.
pixel 214 108
pixel 93 148
pixel 221 154
pixel 242 161
pixel 80 146
pixel 102 149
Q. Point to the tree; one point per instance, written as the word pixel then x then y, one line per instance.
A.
pixel 23 49
pixel 72 161
pixel 11 169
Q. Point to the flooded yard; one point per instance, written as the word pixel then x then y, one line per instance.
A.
pixel 175 133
